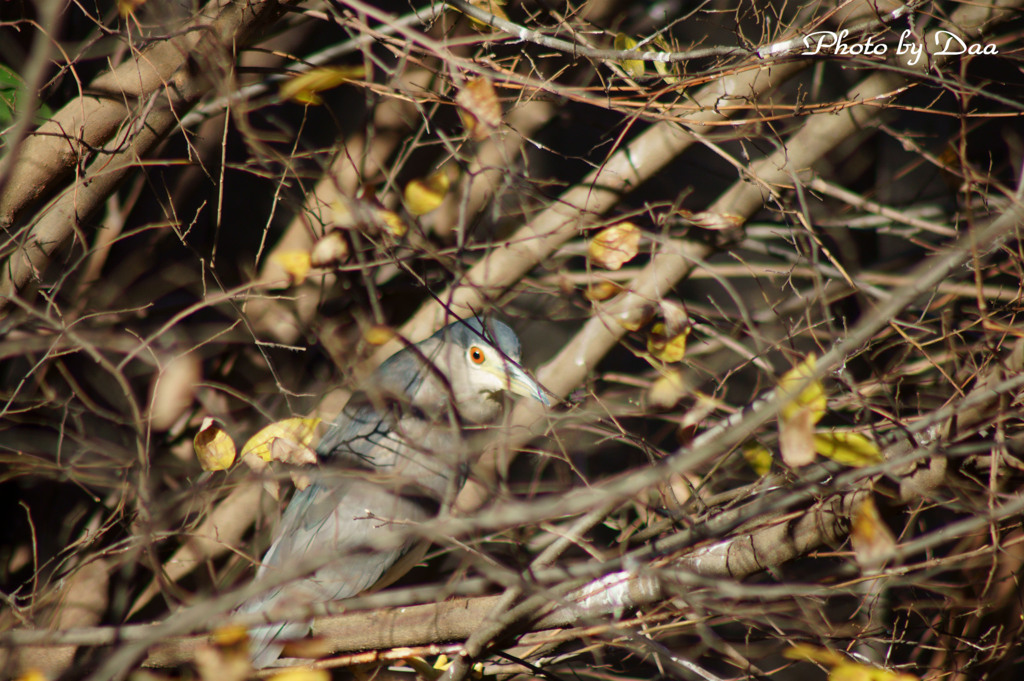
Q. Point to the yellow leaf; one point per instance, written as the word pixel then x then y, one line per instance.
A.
pixel 32 674
pixel 851 671
pixel 800 411
pixel 634 67
pixel 891 675
pixel 758 457
pixel 491 7
pixel 330 250
pixel 479 108
pixel 602 290
pixel 871 538
pixel 423 196
pixel 378 334
pixel 295 263
pixel 214 448
pixel 126 8
pixel 288 440
pixel 634 318
pixel 424 670
pixel 851 449
pixel 230 635
pixel 665 347
pixel 392 222
pixel 811 397
pixel 665 69
pixel 302 674
pixel 613 247
pixel 808 653
pixel 666 392
pixel 441 664
pixel 304 87
pixel 843 669
pixel 346 213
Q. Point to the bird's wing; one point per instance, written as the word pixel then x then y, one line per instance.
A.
pixel 334 517
pixel 336 524
pixel 405 445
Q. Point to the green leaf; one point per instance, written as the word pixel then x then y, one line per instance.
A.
pixel 12 99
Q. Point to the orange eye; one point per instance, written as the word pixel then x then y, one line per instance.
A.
pixel 476 354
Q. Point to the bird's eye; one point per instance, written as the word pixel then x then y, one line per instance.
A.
pixel 476 354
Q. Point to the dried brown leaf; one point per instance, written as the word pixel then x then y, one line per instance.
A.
pixel 479 108
pixel 712 221
pixel 871 538
pixel 796 438
pixel 330 251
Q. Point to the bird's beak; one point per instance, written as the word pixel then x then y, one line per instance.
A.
pixel 519 382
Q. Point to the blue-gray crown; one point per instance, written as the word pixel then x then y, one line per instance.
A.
pixel 472 330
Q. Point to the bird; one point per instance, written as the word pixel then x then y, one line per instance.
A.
pixel 395 454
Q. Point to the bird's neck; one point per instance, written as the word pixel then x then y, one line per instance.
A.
pixel 435 402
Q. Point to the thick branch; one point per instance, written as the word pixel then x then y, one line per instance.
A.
pixel 143 99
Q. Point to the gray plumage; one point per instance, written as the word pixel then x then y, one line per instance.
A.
pixel 400 443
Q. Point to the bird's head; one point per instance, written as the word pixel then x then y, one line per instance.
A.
pixel 482 360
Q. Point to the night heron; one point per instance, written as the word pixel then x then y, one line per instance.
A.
pixel 395 454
